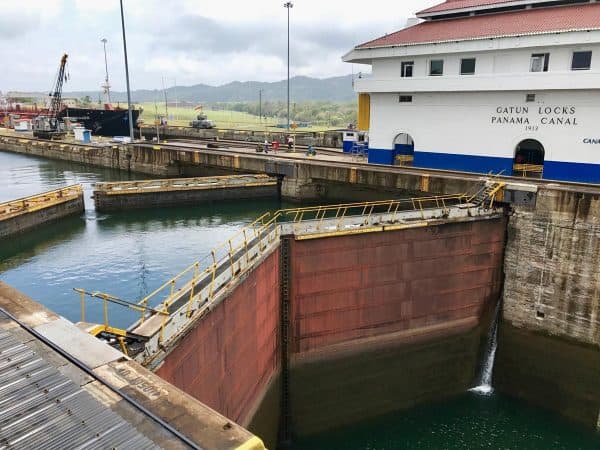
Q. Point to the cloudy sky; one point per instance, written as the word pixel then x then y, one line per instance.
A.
pixel 190 41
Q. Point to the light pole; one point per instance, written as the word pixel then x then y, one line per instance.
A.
pixel 175 95
pixel 106 85
pixel 288 6
pixel 166 103
pixel 127 74
pixel 260 91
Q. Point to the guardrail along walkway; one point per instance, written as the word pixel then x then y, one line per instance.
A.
pixel 179 184
pixel 181 191
pixel 168 311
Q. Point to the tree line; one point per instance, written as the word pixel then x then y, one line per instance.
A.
pixel 316 113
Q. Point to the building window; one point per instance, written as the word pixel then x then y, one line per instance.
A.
pixel 539 62
pixel 530 98
pixel 406 99
pixel 407 69
pixel 581 61
pixel 436 67
pixel 467 66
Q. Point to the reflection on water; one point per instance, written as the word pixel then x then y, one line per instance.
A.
pixel 126 254
pixel 21 248
pixel 22 176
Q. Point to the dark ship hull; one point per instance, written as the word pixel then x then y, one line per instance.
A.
pixel 102 122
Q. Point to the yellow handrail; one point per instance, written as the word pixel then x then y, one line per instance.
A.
pixel 175 182
pixel 237 247
pixel 107 298
pixel 528 168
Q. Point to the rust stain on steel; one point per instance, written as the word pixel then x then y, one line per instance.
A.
pixel 425 183
pixel 352 178
pixel 228 359
pixel 352 287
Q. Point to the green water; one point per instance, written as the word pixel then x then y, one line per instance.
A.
pixel 129 254
pixel 471 421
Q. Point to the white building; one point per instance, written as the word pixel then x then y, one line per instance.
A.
pixel 488 85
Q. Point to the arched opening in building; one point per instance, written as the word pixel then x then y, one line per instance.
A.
pixel 404 149
pixel 529 159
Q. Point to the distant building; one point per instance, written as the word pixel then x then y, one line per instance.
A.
pixel 488 85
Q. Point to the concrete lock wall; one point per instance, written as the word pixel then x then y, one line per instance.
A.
pixel 385 321
pixel 142 160
pixel 107 202
pixel 549 345
pixel 228 360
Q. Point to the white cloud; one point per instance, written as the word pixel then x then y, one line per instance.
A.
pixel 193 41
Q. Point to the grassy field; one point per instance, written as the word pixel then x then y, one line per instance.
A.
pixel 222 119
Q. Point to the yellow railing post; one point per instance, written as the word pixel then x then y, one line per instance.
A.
pixel 231 259
pixel 82 293
pixel 246 246
pixel 212 282
pixel 260 242
pixel 122 344
pixel 162 326
pixel 105 304
pixel 194 280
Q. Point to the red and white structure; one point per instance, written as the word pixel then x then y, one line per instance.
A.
pixel 488 85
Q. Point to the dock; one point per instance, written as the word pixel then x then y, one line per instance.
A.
pixel 24 214
pixel 182 191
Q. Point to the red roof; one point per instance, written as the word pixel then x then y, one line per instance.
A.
pixel 459 4
pixel 522 22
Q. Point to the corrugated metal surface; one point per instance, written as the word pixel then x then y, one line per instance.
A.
pixel 40 408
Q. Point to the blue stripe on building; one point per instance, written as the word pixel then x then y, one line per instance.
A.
pixel 580 172
pixel 404 149
pixel 381 156
pixel 465 163
pixel 553 170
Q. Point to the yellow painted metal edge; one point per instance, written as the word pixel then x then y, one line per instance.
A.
pixel 254 443
pixel 404 226
pixel 339 233
pixel 185 188
pixel 39 207
pixel 70 193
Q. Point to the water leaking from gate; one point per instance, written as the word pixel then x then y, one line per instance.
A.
pixel 484 381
